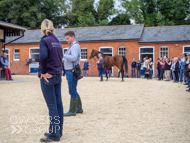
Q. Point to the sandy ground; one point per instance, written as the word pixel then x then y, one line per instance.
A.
pixel 134 111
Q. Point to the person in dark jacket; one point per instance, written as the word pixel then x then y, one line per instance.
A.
pixel 158 68
pixel 49 72
pixel 187 74
pixel 133 66
pixel 86 65
pixel 100 64
pixel 138 69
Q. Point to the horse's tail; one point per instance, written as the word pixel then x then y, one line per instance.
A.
pixel 125 64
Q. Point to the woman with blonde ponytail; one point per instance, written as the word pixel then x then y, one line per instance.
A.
pixel 50 68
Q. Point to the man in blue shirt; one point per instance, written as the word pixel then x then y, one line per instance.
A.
pixel 133 66
pixel 182 71
pixel 71 59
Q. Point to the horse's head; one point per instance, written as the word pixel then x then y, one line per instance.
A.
pixel 93 54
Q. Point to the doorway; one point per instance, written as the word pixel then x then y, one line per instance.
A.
pixel 34 54
pixel 107 51
pixel 146 52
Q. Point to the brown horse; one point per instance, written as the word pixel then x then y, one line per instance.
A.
pixel 110 61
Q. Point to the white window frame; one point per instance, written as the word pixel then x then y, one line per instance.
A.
pixel 184 48
pixel 30 57
pixel 122 51
pixel 108 53
pixel 160 51
pixel 106 47
pixel 148 54
pixel 15 53
pixel 86 54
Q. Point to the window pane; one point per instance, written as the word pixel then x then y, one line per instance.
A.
pixel 83 53
pixel 164 51
pixel 16 54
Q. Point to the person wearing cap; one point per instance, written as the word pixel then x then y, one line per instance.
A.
pixel 182 69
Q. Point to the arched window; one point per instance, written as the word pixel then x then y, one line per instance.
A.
pixel 122 51
pixel 164 51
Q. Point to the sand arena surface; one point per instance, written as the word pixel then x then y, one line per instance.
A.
pixel 134 111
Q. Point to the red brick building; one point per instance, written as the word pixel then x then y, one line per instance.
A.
pixel 132 41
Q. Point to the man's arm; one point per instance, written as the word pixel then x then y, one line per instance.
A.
pixel 74 53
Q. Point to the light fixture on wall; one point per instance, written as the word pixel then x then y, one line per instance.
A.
pixel 176 45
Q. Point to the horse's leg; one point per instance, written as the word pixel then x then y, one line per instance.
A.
pixel 106 74
pixel 122 73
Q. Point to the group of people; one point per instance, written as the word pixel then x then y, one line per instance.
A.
pixel 176 69
pixel 50 72
pixel 147 68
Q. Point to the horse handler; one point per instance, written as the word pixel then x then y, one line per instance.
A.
pixel 50 66
pixel 100 65
pixel 72 59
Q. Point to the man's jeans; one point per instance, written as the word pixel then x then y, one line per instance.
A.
pixel 52 94
pixel 72 83
pixel 188 81
pixel 181 75
pixel 133 73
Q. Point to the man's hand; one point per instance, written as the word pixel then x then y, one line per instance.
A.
pixel 46 76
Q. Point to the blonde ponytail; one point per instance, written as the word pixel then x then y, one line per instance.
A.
pixel 47 27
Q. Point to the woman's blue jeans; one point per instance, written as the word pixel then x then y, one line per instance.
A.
pixel 52 94
pixel 72 83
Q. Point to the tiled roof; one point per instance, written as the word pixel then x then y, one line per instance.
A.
pixel 104 33
pixel 166 34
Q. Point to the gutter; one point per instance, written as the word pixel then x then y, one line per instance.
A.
pixel 14 40
pixel 153 42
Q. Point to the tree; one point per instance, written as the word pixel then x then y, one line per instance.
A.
pixel 81 13
pixel 173 12
pixel 31 13
pixel 121 19
pixel 104 10
pixel 158 12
